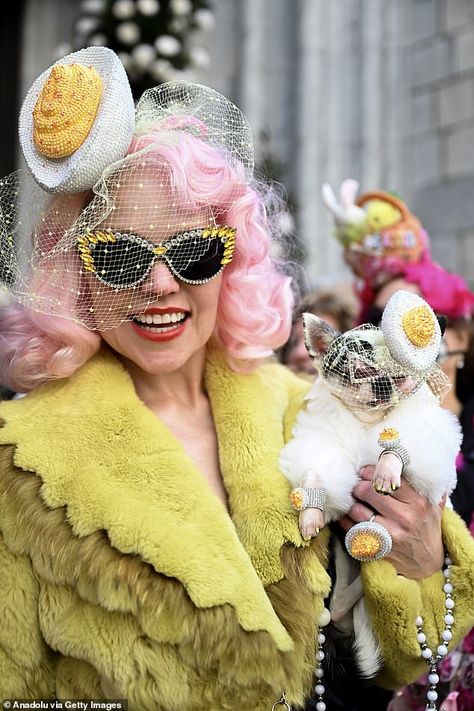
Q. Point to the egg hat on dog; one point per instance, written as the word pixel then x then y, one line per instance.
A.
pixel 411 331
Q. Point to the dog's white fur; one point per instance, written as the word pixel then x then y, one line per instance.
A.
pixel 331 441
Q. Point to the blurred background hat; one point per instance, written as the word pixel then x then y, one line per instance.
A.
pixel 383 240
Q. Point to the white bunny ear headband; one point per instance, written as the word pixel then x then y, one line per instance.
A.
pixel 70 252
pixel 349 218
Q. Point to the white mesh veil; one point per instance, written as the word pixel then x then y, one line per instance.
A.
pixel 372 369
pixel 362 372
pixel 201 112
pixel 102 256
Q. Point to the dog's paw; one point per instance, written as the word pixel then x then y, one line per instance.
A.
pixel 311 522
pixel 387 475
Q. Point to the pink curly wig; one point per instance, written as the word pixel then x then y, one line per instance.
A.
pixel 256 298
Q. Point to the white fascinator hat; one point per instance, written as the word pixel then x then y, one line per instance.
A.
pixel 411 330
pixel 77 118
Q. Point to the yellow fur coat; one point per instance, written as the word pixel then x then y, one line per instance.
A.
pixel 123 576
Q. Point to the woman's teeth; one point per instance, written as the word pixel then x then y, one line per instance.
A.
pixel 160 321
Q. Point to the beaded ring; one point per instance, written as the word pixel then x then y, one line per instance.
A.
pixel 367 541
pixel 303 497
pixel 389 440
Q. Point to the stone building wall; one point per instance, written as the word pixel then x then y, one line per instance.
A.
pixel 441 135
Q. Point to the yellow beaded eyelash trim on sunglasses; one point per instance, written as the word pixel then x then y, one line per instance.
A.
pixel 124 261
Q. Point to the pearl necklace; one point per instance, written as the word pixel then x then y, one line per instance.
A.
pixel 426 652
pixel 319 688
pixel 319 671
pixel 442 649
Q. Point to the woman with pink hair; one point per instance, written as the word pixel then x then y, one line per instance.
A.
pixel 148 547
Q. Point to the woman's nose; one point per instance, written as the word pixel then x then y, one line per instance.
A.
pixel 161 280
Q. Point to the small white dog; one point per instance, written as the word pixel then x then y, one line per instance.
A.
pixel 377 392
pixel 375 401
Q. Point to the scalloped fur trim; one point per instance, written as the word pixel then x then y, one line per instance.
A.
pixel 138 608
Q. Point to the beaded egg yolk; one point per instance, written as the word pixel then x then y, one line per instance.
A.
pixel 389 434
pixel 297 498
pixel 366 545
pixel 419 326
pixel 66 109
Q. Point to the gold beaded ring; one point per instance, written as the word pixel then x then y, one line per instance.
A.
pixel 368 541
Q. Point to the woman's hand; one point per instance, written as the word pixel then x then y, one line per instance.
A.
pixel 413 523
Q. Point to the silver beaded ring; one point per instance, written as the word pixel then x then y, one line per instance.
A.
pixel 303 497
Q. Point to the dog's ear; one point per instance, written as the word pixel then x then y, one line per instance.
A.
pixel 318 336
pixel 442 320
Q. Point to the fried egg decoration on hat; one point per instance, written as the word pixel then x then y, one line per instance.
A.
pixel 411 330
pixel 77 118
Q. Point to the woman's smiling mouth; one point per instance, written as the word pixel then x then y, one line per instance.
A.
pixel 160 325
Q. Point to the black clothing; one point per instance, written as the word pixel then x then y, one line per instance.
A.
pixel 462 497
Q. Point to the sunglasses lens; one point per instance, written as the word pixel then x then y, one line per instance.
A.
pixel 122 264
pixel 196 267
pixel 125 261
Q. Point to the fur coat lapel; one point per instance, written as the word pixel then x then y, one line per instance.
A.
pixel 153 502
